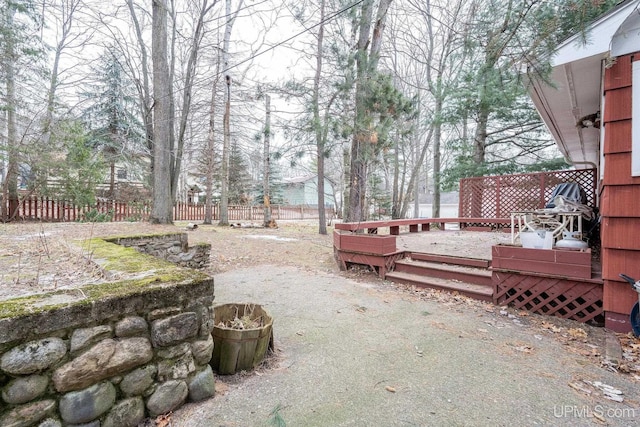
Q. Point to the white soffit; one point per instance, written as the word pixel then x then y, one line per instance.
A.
pixel 576 84
pixel 575 94
pixel 627 39
pixel 599 35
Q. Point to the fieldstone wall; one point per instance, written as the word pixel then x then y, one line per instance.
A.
pixel 173 247
pixel 112 360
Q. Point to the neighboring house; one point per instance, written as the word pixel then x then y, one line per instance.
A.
pixel 304 191
pixel 593 112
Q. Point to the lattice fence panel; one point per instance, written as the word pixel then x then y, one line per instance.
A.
pixel 563 298
pixel 498 196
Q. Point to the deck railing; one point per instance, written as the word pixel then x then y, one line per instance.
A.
pixel 414 225
pixel 498 196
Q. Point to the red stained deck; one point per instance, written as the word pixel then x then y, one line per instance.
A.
pixel 482 265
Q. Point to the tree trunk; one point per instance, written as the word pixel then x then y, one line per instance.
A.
pixel 226 143
pixel 10 190
pixel 320 138
pixel 366 63
pixel 415 173
pixel 266 162
pixel 161 212
pixel 358 179
pixel 144 91
pixel 346 188
pixel 480 138
pixel 187 90
pixel 395 196
pixel 437 136
pixel 210 156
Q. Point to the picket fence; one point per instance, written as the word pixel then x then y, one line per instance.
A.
pixel 35 208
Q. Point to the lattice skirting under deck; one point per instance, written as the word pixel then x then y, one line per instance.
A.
pixel 561 297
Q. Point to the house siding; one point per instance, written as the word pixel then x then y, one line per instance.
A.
pixel 620 216
pixel 306 192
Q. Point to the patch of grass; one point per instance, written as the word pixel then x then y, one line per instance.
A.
pixel 275 419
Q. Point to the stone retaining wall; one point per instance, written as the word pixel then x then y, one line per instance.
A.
pixel 173 247
pixel 120 353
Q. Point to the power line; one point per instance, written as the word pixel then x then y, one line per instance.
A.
pixel 305 30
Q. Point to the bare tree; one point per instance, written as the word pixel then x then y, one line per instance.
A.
pixel 226 146
pixel 141 77
pixel 320 131
pixel 267 162
pixel 162 211
pixel 188 84
pixel 10 188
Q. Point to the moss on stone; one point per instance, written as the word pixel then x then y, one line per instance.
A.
pixel 112 258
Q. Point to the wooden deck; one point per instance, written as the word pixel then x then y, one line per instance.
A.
pixel 481 265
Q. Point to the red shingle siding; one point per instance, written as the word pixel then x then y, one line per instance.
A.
pixel 620 197
pixel 620 261
pixel 621 233
pixel 619 75
pixel 617 170
pixel 620 201
pixel 617 104
pixel 618 297
pixel 617 137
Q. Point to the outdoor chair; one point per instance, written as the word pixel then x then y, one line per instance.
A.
pixel 563 214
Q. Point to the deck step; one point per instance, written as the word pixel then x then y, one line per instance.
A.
pixel 450 259
pixel 480 292
pixel 460 273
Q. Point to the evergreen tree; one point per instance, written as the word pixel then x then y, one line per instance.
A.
pixel 275 185
pixel 239 177
pixel 20 56
pixel 116 129
pixel 506 132
pixel 81 169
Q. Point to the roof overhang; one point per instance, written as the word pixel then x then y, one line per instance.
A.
pixel 575 90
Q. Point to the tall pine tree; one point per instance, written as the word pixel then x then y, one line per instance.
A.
pixel 116 128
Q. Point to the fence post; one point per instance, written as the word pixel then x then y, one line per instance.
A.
pixel 498 213
pixel 543 190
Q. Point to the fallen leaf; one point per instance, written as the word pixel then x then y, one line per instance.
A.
pixel 163 420
pixel 577 333
pixel 221 388
pixel 524 348
pixel 580 388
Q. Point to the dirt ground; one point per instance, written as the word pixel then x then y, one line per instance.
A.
pixel 42 257
pixel 37 258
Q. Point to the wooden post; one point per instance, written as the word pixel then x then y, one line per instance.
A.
pixel 266 162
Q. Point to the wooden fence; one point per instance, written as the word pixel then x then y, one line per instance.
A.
pixel 498 196
pixel 34 208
